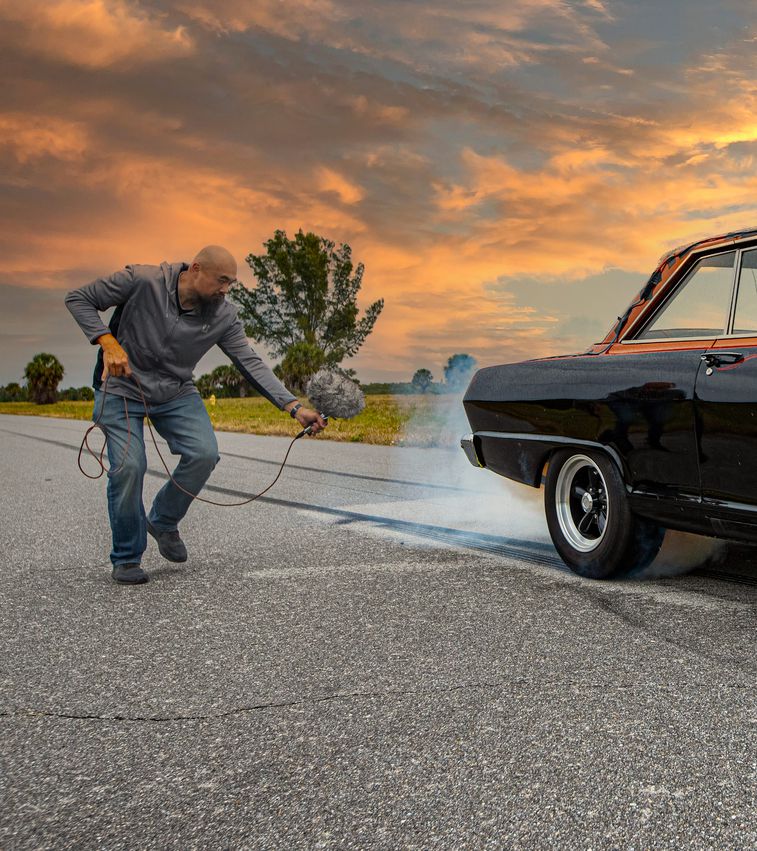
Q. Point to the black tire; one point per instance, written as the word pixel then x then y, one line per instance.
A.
pixel 589 519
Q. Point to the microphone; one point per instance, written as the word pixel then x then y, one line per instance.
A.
pixel 334 395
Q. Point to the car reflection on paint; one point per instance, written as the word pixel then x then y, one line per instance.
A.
pixel 654 428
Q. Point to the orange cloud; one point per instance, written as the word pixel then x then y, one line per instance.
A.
pixel 364 108
pixel 329 180
pixel 479 33
pixel 585 210
pixel 94 33
pixel 157 210
pixel 289 21
pixel 31 137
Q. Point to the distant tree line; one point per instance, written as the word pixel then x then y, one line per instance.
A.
pixel 457 374
pixel 42 375
pixel 44 372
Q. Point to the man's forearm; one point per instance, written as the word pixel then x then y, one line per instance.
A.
pixel 115 359
pixel 107 340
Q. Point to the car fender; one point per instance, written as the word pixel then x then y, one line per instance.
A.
pixel 523 457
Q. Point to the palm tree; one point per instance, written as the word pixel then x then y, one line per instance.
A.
pixel 43 374
pixel 227 380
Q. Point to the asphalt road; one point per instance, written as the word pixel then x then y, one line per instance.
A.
pixel 384 654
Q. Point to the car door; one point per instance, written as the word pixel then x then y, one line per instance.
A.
pixel 666 358
pixel 726 399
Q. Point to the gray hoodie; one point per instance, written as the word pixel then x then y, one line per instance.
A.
pixel 163 343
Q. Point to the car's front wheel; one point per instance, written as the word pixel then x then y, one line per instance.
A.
pixel 589 518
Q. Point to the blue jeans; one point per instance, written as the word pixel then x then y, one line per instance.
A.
pixel 186 427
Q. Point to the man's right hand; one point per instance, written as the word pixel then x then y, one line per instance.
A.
pixel 115 359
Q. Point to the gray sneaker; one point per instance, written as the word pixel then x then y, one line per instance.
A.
pixel 129 574
pixel 169 543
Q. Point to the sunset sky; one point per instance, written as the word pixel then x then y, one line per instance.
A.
pixel 509 172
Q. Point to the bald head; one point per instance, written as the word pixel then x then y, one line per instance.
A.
pixel 218 258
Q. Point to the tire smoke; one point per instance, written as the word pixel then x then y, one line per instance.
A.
pixel 487 503
pixel 457 494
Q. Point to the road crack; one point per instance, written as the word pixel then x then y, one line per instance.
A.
pixel 258 707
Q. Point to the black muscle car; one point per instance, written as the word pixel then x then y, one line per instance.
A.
pixel 654 428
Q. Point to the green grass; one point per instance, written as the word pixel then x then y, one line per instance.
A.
pixel 62 410
pixel 407 420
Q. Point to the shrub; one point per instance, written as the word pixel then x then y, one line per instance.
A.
pixel 13 392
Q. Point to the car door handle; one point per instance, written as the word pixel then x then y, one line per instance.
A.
pixel 717 359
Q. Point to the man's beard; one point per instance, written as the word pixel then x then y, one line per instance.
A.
pixel 208 305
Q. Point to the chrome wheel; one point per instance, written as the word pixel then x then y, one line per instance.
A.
pixel 581 503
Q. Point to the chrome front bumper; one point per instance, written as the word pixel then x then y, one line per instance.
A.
pixel 469 448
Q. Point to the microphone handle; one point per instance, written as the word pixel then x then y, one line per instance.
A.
pixel 309 428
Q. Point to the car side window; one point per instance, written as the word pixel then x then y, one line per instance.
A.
pixel 700 305
pixel 745 321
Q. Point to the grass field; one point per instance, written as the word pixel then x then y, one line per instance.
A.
pixel 413 420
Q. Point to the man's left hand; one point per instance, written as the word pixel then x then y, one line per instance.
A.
pixel 308 417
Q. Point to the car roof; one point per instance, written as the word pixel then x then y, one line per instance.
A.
pixel 681 250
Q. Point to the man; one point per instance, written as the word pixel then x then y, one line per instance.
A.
pixel 166 318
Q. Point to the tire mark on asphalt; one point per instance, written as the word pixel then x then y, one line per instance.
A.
pixel 618 608
pixel 302 467
pixel 725 576
pixel 430 485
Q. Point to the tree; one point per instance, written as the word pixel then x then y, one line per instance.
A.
pixel 304 306
pixel 205 385
pixel 458 371
pixel 224 381
pixel 300 362
pixel 43 374
pixel 422 380
pixel 227 380
pixel 13 392
pixel 77 394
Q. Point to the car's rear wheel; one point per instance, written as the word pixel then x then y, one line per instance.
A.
pixel 589 518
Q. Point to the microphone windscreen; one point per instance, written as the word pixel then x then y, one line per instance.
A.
pixel 335 395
